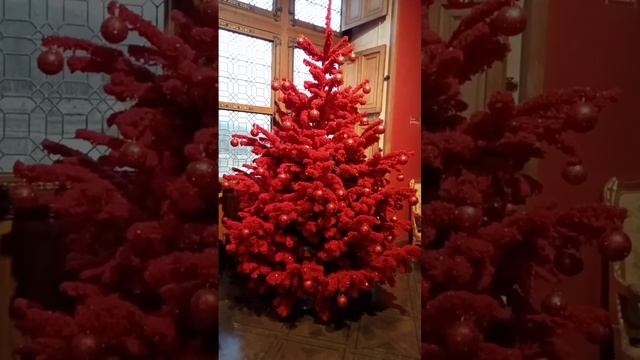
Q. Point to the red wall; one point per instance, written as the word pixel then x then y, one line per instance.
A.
pixel 404 93
pixel 598 45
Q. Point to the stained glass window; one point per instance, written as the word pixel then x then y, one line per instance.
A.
pixel 245 69
pixel 236 122
pixel 264 4
pixel 314 12
pixel 34 106
pixel 300 70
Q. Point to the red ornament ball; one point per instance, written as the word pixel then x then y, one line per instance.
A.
pixel 23 197
pixel 133 154
pixel 350 142
pixel 234 142
pixel 204 309
pixel 114 30
pixel 286 85
pixel 394 218
pixel 365 229
pixel 400 177
pixel 614 245
pixel 314 114
pixel 318 194
pixel 340 193
pixel 245 232
pixel 510 21
pixel 338 78
pixel 51 62
pixel 331 207
pixel 275 85
pixel 568 263
pixel 287 125
pixel 352 57
pixel 308 285
pixel 255 132
pixel 468 216
pixel 342 301
pixel 554 304
pixel 462 338
pixel 379 129
pixel 413 200
pixel 378 249
pixel 300 40
pixel 202 174
pixel 364 121
pixel 597 334
pixel 574 174
pixel 84 347
pixel 283 219
pixel 340 60
pixel 366 89
pixel 583 117
pixel 403 160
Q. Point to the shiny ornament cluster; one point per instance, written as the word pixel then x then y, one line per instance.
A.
pixel 317 218
pixel 138 222
pixel 485 249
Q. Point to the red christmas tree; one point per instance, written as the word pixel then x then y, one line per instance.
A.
pixel 483 253
pixel 317 218
pixel 138 223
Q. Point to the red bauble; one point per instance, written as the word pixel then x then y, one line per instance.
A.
pixel 308 285
pixel 283 219
pixel 568 263
pixel 331 207
pixel 366 89
pixel 287 125
pixel 275 85
pixel 340 60
pixel 208 10
pixel 583 117
pixel 379 129
pixel 413 200
pixel 202 174
pixel 352 57
pixel 338 78
pixel 554 304
pixel 365 229
pixel 84 347
pixel 114 30
pixel 51 62
pixel 597 334
pixel 462 338
pixel 400 177
pixel 23 197
pixel 318 194
pixel 403 160
pixel 286 85
pixel 204 309
pixel 468 216
pixel 350 142
pixel 574 174
pixel 378 249
pixel 614 246
pixel 314 114
pixel 234 142
pixel 340 193
pixel 300 40
pixel 342 301
pixel 133 155
pixel 254 132
pixel 394 218
pixel 245 232
pixel 510 21
pixel 364 121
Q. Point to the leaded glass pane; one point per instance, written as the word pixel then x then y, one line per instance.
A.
pixel 315 11
pixel 245 69
pixel 34 106
pixel 300 70
pixel 235 122
pixel 264 4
